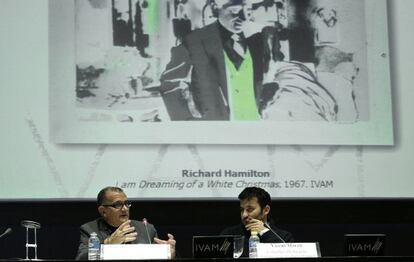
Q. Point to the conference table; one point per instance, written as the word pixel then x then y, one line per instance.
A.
pixel 320 259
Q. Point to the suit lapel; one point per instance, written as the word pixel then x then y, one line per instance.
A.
pixel 103 229
pixel 213 46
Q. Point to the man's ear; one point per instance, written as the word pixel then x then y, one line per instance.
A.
pixel 101 211
pixel 266 210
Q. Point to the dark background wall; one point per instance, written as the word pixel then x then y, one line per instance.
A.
pixel 323 221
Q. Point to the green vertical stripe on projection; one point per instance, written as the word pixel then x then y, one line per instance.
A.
pixel 243 102
pixel 152 16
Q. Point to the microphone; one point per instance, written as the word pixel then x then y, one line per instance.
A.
pixel 6 232
pixel 274 232
pixel 144 220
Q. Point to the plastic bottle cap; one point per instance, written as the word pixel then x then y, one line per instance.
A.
pixel 254 233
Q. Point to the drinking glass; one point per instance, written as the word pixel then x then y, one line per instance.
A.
pixel 238 246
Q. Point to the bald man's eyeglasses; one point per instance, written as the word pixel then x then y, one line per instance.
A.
pixel 119 205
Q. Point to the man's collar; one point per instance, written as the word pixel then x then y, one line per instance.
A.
pixel 226 34
pixel 103 225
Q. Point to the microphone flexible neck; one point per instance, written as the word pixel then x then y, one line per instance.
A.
pixel 274 232
pixel 6 232
pixel 146 229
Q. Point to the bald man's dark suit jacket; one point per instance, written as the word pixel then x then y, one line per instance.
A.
pixel 103 230
pixel 203 50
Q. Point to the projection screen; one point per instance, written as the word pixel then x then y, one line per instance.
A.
pixel 365 152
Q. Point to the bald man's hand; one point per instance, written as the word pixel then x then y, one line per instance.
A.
pixel 170 241
pixel 124 234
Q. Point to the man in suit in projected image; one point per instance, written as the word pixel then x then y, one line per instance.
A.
pixel 231 70
pixel 254 214
pixel 114 225
pixel 216 73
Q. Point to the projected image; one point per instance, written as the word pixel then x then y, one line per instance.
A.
pixel 219 60
pixel 237 61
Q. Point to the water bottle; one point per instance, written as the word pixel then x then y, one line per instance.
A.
pixel 253 241
pixel 94 247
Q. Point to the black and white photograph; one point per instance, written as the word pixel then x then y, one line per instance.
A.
pixel 220 69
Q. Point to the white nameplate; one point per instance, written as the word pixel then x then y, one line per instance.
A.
pixel 135 251
pixel 282 250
